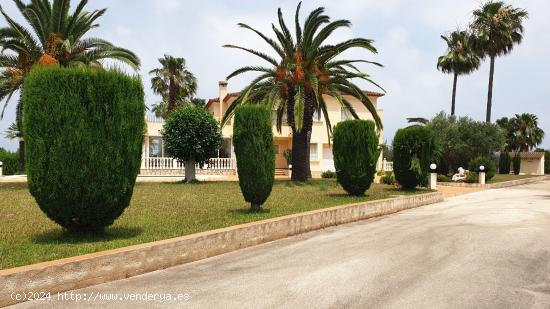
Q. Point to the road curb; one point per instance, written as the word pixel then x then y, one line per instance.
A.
pixel 105 266
pixel 498 185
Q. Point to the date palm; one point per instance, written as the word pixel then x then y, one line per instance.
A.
pixel 306 69
pixel 54 35
pixel 459 59
pixel 174 83
pixel 497 28
pixel 522 132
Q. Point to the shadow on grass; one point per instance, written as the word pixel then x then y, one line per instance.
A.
pixel 60 236
pixel 247 211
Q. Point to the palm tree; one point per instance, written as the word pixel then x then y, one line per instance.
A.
pixel 522 132
pixel 497 28
pixel 55 37
pixel 460 58
pixel 174 82
pixel 305 70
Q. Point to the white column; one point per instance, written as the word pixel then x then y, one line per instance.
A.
pixel 482 178
pixel 1 166
pixel 432 181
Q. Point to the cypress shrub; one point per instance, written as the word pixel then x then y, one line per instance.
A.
pixel 547 162
pixel 10 162
pixel 490 168
pixel 413 151
pixel 355 152
pixel 253 141
pixel 83 133
pixel 517 163
pixel 504 163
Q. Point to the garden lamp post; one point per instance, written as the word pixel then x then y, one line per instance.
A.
pixel 1 164
pixel 482 174
pixel 432 181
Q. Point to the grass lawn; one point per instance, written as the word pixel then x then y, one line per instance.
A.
pixel 157 211
pixel 502 178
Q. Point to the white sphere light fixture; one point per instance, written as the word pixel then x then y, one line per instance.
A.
pixel 433 166
pixel 482 168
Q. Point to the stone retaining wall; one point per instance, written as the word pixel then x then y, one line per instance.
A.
pixel 91 269
pixel 504 184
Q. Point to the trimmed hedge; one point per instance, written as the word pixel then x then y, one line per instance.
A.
pixel 355 152
pixel 413 151
pixel 192 135
pixel 517 163
pixel 504 163
pixel 84 131
pixel 10 161
pixel 253 141
pixel 490 168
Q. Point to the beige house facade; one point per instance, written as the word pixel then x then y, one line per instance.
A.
pixel 321 158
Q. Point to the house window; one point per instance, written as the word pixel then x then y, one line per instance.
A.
pixel 313 152
pixel 345 114
pixel 155 147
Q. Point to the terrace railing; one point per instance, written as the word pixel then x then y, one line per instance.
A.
pixel 164 163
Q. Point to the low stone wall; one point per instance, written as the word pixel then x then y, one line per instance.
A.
pixel 91 269
pixel 504 184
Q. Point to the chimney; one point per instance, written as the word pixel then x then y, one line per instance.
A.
pixel 223 93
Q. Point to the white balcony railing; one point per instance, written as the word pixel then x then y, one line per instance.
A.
pixel 164 163
pixel 387 166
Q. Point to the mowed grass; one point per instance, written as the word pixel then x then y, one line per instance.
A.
pixel 157 211
pixel 502 178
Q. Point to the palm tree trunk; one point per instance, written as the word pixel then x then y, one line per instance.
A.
pixel 300 141
pixel 308 157
pixel 490 94
pixel 171 95
pixel 453 104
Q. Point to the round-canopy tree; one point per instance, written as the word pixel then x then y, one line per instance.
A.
pixel 355 154
pixel 192 135
pixel 84 132
pixel 253 139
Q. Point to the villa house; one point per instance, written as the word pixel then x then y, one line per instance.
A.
pixel 156 162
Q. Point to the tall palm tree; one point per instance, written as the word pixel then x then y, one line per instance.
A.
pixel 497 28
pixel 55 36
pixel 174 82
pixel 306 68
pixel 460 58
pixel 522 132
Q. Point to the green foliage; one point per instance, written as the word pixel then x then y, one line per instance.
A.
pixel 191 133
pixel 522 132
pixel 253 140
pixel 84 133
pixel 414 149
pixel 490 167
pixel 443 178
pixel 288 156
pixel 472 177
pixel 517 163
pixel 10 162
pixel 355 154
pixel 328 174
pixel 547 162
pixel 388 178
pixel 462 139
pixel 504 163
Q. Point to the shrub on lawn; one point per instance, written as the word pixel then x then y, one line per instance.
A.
pixel 328 174
pixel 443 178
pixel 388 178
pixel 414 149
pixel 355 152
pixel 10 161
pixel 472 177
pixel 192 135
pixel 490 168
pixel 83 133
pixel 253 141
pixel 517 163
pixel 504 163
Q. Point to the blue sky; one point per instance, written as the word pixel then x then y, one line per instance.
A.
pixel 406 33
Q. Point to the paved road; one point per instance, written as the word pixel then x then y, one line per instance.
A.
pixel 487 249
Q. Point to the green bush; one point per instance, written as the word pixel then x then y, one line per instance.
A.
pixel 504 163
pixel 10 161
pixel 547 162
pixel 517 163
pixel 388 178
pixel 490 168
pixel 472 177
pixel 253 140
pixel 413 151
pixel 191 135
pixel 83 134
pixel 355 152
pixel 443 178
pixel 328 174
